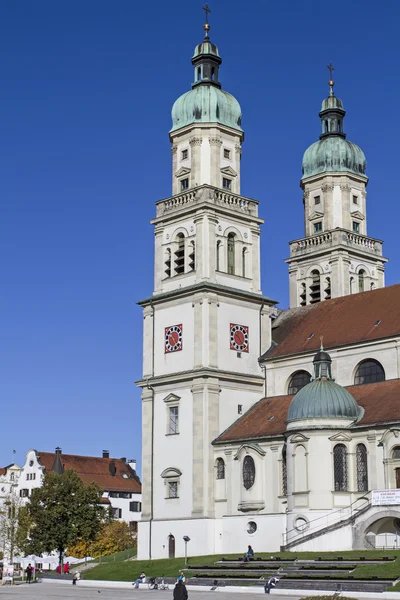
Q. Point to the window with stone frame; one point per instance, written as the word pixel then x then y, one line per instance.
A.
pixel 220 464
pixel 362 468
pixel 369 371
pixel 173 420
pixel 172 489
pixel 396 452
pixel 231 253
pixel 340 467
pixel 284 471
pixel 248 472
pixel 297 381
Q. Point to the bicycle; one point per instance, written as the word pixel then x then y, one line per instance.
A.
pixel 158 583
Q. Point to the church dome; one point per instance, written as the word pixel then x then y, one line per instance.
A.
pixel 333 152
pixel 323 398
pixel 206 104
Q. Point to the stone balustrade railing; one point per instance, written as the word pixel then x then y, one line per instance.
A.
pixel 207 193
pixel 335 237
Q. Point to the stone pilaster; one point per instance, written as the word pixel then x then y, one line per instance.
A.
pixel 147 453
pixel 159 258
pixel 200 265
pixel 198 328
pixel 213 305
pixel 255 259
pixel 148 333
pixel 199 445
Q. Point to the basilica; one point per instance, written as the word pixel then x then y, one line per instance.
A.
pixel 275 428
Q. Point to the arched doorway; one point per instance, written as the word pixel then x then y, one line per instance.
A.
pixel 385 533
pixel 171 546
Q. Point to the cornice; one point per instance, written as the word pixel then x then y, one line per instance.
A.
pixel 205 372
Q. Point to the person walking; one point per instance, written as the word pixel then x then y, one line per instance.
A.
pixel 271 583
pixel 180 591
pixel 29 571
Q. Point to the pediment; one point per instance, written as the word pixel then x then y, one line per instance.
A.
pixel 315 215
pixel 182 171
pixel 340 437
pixel 172 398
pixel 171 472
pixel 247 447
pixel 229 171
pixel 388 433
pixel 297 438
pixel 358 215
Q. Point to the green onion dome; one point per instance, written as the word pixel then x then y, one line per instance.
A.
pixel 333 153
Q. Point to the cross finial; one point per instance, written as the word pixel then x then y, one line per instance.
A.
pixel 207 10
pixel 331 69
pixel 331 82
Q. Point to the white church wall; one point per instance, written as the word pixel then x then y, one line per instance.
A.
pixel 200 531
pixel 232 397
pixel 167 316
pixel 340 539
pixel 176 453
pixel 344 364
pixel 267 537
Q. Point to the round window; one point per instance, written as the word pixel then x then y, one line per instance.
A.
pixel 31 463
pixel 301 524
pixel 251 527
pixel 249 472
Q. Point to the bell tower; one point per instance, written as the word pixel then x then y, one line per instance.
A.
pixel 207 322
pixel 335 257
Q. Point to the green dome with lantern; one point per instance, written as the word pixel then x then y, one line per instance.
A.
pixel 206 102
pixel 333 153
pixel 323 398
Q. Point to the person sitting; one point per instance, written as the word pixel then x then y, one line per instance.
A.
pixel 76 577
pixel 249 554
pixel 141 579
pixel 182 577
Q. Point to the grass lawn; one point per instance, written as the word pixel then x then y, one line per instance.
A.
pixel 130 570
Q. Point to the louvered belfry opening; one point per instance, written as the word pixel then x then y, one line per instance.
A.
pixel 315 287
pixel 180 255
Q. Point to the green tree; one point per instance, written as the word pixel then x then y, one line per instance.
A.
pixel 62 511
pixel 114 536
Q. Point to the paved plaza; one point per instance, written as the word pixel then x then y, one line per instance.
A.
pixel 60 591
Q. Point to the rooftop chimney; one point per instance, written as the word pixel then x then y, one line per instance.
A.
pixel 58 450
pixel 132 463
pixel 106 454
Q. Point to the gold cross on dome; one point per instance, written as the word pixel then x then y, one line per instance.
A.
pixel 207 10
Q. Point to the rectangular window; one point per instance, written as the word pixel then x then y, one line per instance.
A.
pixel 116 513
pixel 355 199
pixel 184 154
pixel 133 525
pixel 173 422
pixel 318 227
pixel 172 489
pixel 184 184
pixel 135 506
pixel 24 493
pixel 317 200
pixel 227 153
pixel 226 183
pixel 356 227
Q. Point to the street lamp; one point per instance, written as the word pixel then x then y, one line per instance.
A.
pixel 186 539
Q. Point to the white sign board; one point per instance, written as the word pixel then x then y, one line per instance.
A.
pixel 385 497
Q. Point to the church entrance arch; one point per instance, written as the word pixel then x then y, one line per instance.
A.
pixel 171 546
pixel 381 530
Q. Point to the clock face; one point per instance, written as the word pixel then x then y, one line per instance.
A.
pixel 239 337
pixel 173 338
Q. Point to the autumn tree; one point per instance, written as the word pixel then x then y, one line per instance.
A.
pixel 11 511
pixel 61 512
pixel 114 536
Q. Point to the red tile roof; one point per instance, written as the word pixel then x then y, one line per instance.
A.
pixel 93 469
pixel 3 470
pixel 267 418
pixel 341 321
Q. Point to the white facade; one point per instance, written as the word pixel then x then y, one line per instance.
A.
pixel 206 326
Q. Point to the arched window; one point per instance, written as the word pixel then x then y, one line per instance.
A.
pixel 192 256
pixel 351 285
pixel 249 472
pixel 340 467
pixel 244 262
pixel 362 468
pixel 315 287
pixel 198 73
pixel 213 73
pixel 339 127
pixel 218 257
pixel 297 381
pixel 396 452
pixel 231 253
pixel 168 263
pixel 326 127
pixel 180 254
pixel 361 280
pixel 300 469
pixel 369 371
pixel 284 471
pixel 220 468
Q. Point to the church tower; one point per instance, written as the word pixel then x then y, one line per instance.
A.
pixel 206 323
pixel 335 257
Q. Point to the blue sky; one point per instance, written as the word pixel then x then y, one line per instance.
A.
pixel 86 93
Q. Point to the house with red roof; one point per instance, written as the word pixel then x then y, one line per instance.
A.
pixel 117 478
